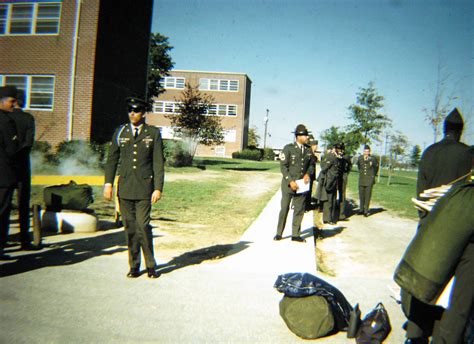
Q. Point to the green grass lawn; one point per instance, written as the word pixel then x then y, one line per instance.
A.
pixel 395 197
pixel 212 201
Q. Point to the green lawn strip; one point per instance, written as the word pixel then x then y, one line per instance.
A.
pixel 396 197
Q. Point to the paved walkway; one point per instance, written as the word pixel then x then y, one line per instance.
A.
pixel 78 292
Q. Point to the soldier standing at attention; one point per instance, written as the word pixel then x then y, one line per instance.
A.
pixel 9 146
pixel 25 126
pixel 295 164
pixel 368 169
pixel 137 151
pixel 446 160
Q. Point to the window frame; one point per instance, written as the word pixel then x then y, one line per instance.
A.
pixel 33 21
pixel 29 88
pixel 173 82
pixel 219 85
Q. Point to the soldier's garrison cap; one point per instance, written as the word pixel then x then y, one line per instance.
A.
pixel 312 141
pixel 343 146
pixel 366 147
pixel 453 121
pixel 135 103
pixel 8 92
pixel 301 130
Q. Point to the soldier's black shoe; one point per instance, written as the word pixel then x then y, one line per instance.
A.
pixel 419 340
pixel 30 247
pixel 298 239
pixel 277 237
pixel 366 214
pixel 152 273
pixel 133 273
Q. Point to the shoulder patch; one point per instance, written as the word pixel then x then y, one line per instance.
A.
pixel 282 156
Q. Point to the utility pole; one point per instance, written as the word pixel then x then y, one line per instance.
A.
pixel 265 121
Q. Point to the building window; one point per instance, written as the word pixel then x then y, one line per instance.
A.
pixel 218 85
pixel 222 110
pixel 41 18
pixel 166 107
pixel 172 82
pixel 39 89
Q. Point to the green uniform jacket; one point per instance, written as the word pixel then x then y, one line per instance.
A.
pixel 367 170
pixel 294 164
pixel 140 162
pixel 442 163
pixel 432 256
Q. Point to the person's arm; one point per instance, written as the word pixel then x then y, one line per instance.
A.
pixel 10 138
pixel 111 166
pixel 158 167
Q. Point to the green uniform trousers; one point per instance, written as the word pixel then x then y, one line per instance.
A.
pixel 365 193
pixel 330 207
pixel 298 212
pixel 138 233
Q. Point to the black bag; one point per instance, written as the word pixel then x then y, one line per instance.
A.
pixel 375 326
pixel 70 196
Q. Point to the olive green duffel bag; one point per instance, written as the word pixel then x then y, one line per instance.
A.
pixel 308 317
pixel 70 196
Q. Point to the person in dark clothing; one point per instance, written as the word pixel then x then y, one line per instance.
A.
pixel 368 169
pixel 344 169
pixel 295 165
pixel 25 126
pixel 330 170
pixel 9 146
pixel 446 161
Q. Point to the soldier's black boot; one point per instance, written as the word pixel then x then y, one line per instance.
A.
pixel 133 273
pixel 152 273
pixel 277 237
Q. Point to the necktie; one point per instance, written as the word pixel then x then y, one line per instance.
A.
pixel 136 133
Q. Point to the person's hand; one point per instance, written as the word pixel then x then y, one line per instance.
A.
pixel 155 196
pixel 306 178
pixel 293 185
pixel 108 192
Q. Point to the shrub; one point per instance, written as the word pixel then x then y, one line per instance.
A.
pixel 248 154
pixel 176 154
pixel 268 154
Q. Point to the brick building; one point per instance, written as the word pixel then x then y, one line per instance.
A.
pixel 231 93
pixel 77 60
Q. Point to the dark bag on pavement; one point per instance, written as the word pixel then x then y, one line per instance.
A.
pixel 70 196
pixel 375 326
pixel 308 317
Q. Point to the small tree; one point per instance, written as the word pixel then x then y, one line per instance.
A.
pixel 193 123
pixel 159 63
pixel 368 122
pixel 399 145
pixel 334 135
pixel 254 138
pixel 415 155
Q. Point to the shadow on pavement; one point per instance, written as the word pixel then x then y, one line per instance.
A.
pixel 245 169
pixel 328 233
pixel 373 211
pixel 198 256
pixel 65 253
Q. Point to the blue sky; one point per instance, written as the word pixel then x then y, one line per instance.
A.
pixel 308 59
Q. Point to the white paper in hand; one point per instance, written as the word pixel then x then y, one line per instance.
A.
pixel 302 187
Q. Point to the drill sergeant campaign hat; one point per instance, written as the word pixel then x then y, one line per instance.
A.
pixel 454 121
pixel 301 130
pixel 8 92
pixel 136 104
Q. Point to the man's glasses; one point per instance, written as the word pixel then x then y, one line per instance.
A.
pixel 136 109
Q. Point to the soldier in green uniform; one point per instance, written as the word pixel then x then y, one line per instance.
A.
pixel 368 169
pixel 447 160
pixel 137 151
pixel 25 126
pixel 9 146
pixel 295 164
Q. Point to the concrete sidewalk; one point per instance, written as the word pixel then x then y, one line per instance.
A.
pixel 80 294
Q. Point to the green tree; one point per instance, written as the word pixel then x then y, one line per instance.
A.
pixel 415 155
pixel 254 138
pixel 193 123
pixel 159 63
pixel 399 144
pixel 367 120
pixel 334 135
